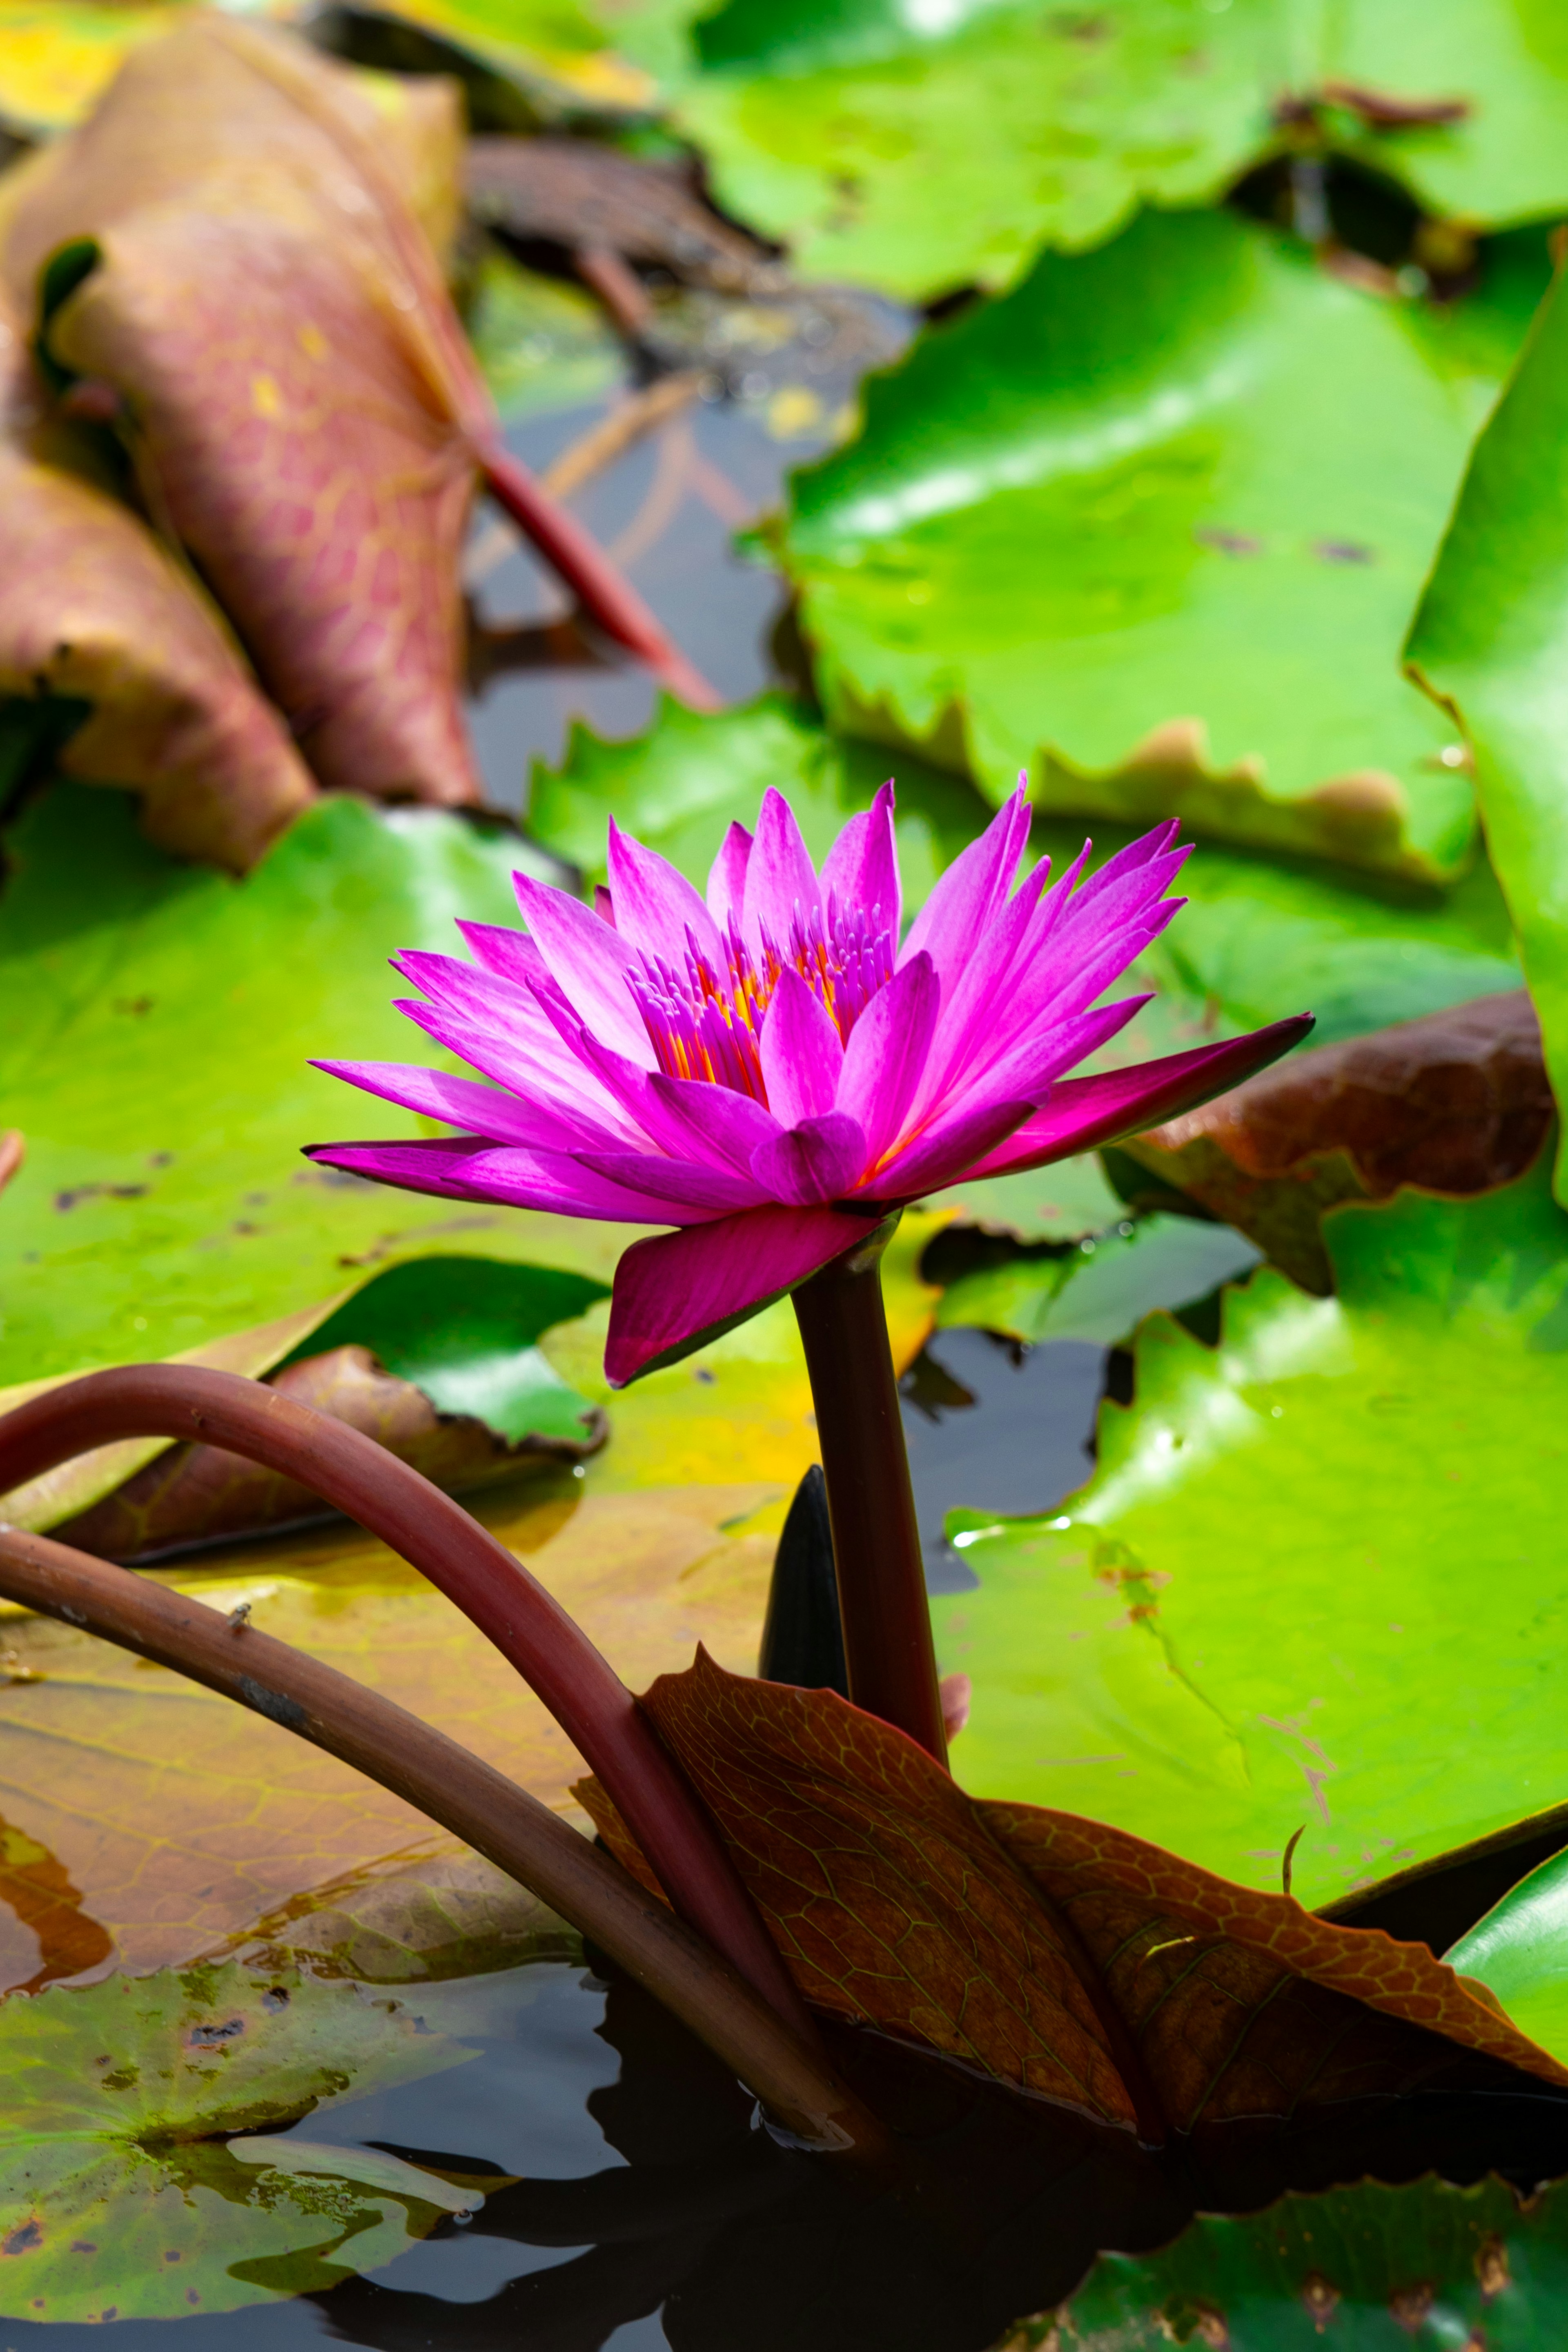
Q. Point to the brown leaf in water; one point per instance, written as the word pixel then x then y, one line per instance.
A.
pixel 95 610
pixel 1457 1102
pixel 573 193
pixel 47 1908
pixel 408 1920
pixel 297 395
pixel 1068 1957
pixel 200 1494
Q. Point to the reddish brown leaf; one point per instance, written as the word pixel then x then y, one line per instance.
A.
pixel 93 608
pixel 40 1896
pixel 1065 1957
pixel 1457 1102
pixel 193 1494
pixel 271 315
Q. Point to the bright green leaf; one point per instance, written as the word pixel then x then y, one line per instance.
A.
pixel 1520 1950
pixel 1060 1203
pixel 1314 1580
pixel 1152 526
pixel 156 1055
pixel 1099 1290
pixel 540 345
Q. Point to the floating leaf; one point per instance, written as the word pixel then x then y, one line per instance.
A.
pixel 1488 642
pixel 1311 1583
pixel 1064 1203
pixel 1131 527
pixel 1054 1953
pixel 156 1057
pixel 247 273
pixel 551 51
pixel 1369 2267
pixel 1457 1102
pixel 1520 1950
pixel 450 1913
pixel 120 2197
pixel 1099 1290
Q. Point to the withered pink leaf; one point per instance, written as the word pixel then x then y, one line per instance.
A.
pixel 1456 1102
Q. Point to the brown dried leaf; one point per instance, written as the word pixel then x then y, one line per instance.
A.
pixel 573 193
pixel 93 608
pixel 271 313
pixel 1457 1102
pixel 1070 1958
pixel 200 1494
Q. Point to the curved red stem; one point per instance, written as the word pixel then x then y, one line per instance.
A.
pixel 526 1624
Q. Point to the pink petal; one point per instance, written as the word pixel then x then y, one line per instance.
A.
pixel 886 1055
pixel 527 1065
pixel 948 1149
pixel 588 962
pixel 461 1168
pixel 960 910
pixel 511 955
pixel 476 1110
pixel 696 1184
pixel 967 1027
pixel 817 1160
pixel 654 906
pixel 677 1291
pixel 1036 1063
pixel 726 1125
pixel 1080 1114
pixel 604 905
pixel 781 879
pixel 726 878
pixel 801 1053
pixel 862 867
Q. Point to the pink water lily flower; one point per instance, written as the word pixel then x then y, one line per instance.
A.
pixel 768 1069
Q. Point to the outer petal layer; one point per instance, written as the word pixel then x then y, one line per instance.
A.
pixel 677 1291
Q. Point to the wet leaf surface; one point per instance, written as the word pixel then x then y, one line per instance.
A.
pixel 122 2200
pixel 1193 610
pixel 1099 1290
pixel 260 293
pixel 160 1072
pixel 1520 1949
pixel 1457 1102
pixel 1261 1613
pixel 1052 1952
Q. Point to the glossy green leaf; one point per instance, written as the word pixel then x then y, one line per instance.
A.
pixel 1063 1203
pixel 155 1057
pixel 919 149
pixel 1367 2269
pixel 119 2196
pixel 1492 641
pixel 680 786
pixel 1099 1290
pixel 540 345
pixel 1520 1950
pixel 1152 526
pixel 1314 1582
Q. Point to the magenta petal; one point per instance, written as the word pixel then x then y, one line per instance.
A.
pixel 511 955
pixel 1083 1113
pixel 886 1055
pixel 723 1124
pixel 464 1168
pixel 677 1291
pixel 726 878
pixel 696 1184
pixel 817 1160
pixel 801 1053
pixel 948 1149
pixel 862 867
pixel 654 906
pixel 476 1110
pixel 589 962
pixel 967 897
pixel 781 881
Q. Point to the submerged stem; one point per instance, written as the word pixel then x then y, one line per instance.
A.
pixel 478 1803
pixel 526 1624
pixel 876 1539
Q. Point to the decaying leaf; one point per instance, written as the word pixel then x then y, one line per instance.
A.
pixel 1457 1102
pixel 1055 1953
pixel 119 2197
pixel 251 280
pixel 410 1920
pixel 573 193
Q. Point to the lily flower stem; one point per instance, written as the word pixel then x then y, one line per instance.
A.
pixel 605 595
pixel 526 1624
pixel 870 1503
pixel 478 1803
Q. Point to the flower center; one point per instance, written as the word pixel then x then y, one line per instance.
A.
pixel 704 1025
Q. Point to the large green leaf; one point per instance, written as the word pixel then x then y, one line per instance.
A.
pixel 919 148
pixel 1368 2268
pixel 1520 1950
pixel 155 1054
pixel 1152 526
pixel 1314 1581
pixel 119 2196
pixel 1100 1290
pixel 1491 640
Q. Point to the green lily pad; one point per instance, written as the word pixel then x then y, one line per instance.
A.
pixel 1099 1290
pixel 1491 641
pixel 540 345
pixel 1152 526
pixel 120 2196
pixel 919 148
pixel 1064 1203
pixel 1262 1613
pixel 1520 1950
pixel 155 1057
pixel 1369 2269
